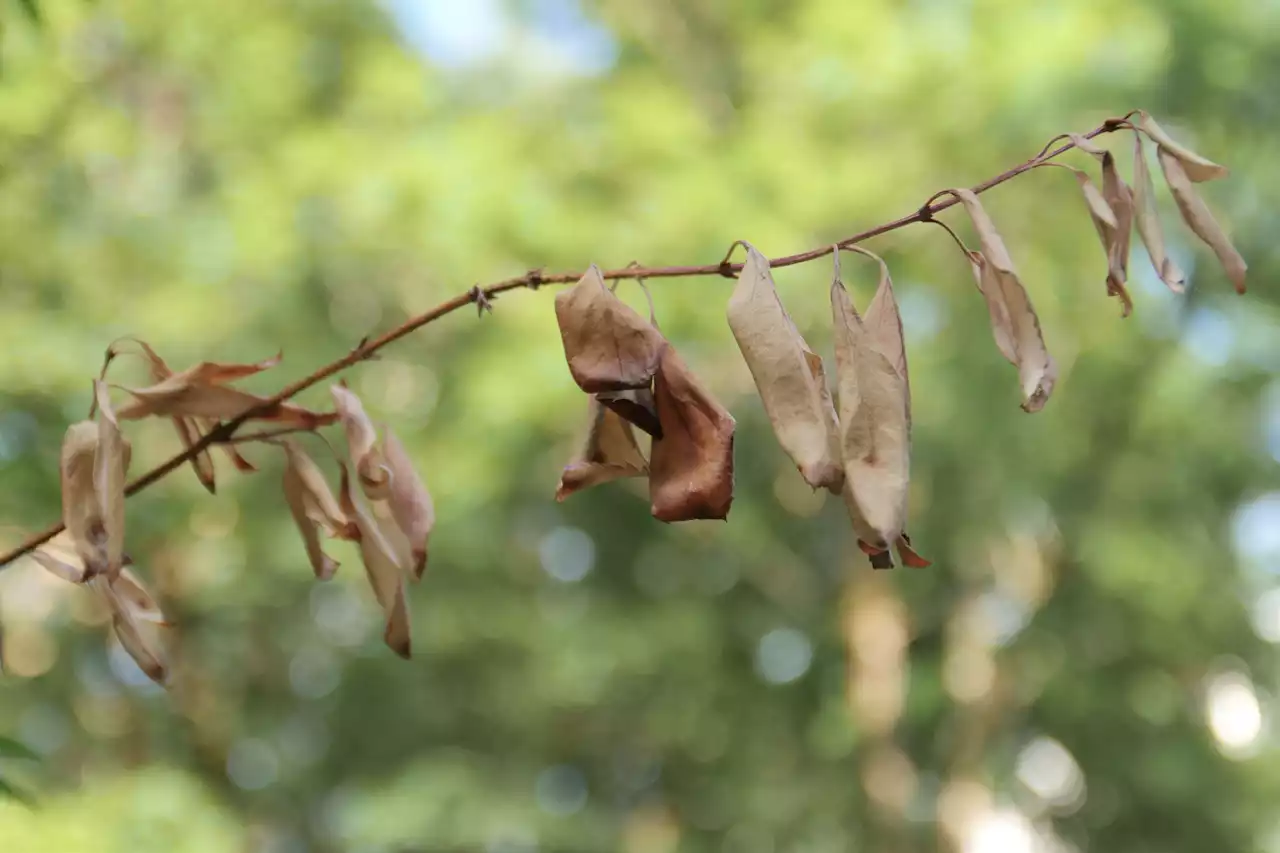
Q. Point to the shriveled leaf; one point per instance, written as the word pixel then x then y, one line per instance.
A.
pixel 111 464
pixel 1111 210
pixel 383 566
pixel 1014 323
pixel 217 402
pixel 139 637
pixel 295 495
pixel 1196 168
pixel 883 323
pixel 202 462
pixel 81 513
pixel 1199 219
pixel 691 466
pixel 362 443
pixel 202 373
pixel 875 428
pixel 788 375
pixel 409 501
pixel 134 593
pixel 609 453
pixel 322 507
pixel 60 557
pixel 1148 220
pixel 609 346
pixel 636 406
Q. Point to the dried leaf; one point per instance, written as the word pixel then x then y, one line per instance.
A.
pixel 1196 168
pixel 1013 320
pixel 216 402
pixel 609 453
pixel 1148 220
pixel 788 375
pixel 138 635
pixel 609 346
pixel 362 443
pixel 191 430
pixel 1111 210
pixel 875 426
pixel 111 463
pixel 691 466
pixel 636 406
pixel 312 506
pixel 409 501
pixel 383 566
pixel 60 557
pixel 136 595
pixel 81 512
pixel 1199 219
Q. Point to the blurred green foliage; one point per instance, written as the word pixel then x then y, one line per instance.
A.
pixel 1085 665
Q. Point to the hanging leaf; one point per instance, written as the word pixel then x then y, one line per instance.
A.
pixel 875 415
pixel 1199 219
pixel 111 463
pixel 609 347
pixel 137 633
pixel 1196 168
pixel 1013 321
pixel 312 506
pixel 81 512
pixel 788 375
pixel 1148 219
pixel 1116 233
pixel 362 443
pixel 691 466
pixel 383 565
pixel 409 501
pixel 610 453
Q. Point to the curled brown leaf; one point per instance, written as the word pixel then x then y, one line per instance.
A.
pixel 609 453
pixel 691 466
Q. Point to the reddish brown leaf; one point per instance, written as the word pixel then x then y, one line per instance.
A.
pixel 609 453
pixel 691 466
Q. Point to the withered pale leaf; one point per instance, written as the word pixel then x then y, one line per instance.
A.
pixel 138 636
pixel 609 453
pixel 1200 220
pixel 1148 220
pixel 202 462
pixel 691 466
pixel 1196 168
pixel 874 426
pixel 883 323
pixel 135 594
pixel 362 443
pixel 1020 340
pixel 1115 233
pixel 299 481
pixel 788 375
pixel 111 464
pixel 322 506
pixel 81 512
pixel 609 347
pixel 409 501
pixel 59 557
pixel 384 567
pixel 217 402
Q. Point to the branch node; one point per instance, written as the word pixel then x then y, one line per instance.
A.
pixel 533 279
pixel 484 302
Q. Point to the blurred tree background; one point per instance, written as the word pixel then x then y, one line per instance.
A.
pixel 1088 666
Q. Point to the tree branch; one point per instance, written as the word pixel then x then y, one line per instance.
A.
pixel 533 279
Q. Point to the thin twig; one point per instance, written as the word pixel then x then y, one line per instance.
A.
pixel 482 296
pixel 265 435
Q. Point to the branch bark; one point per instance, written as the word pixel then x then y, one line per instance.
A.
pixel 532 280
